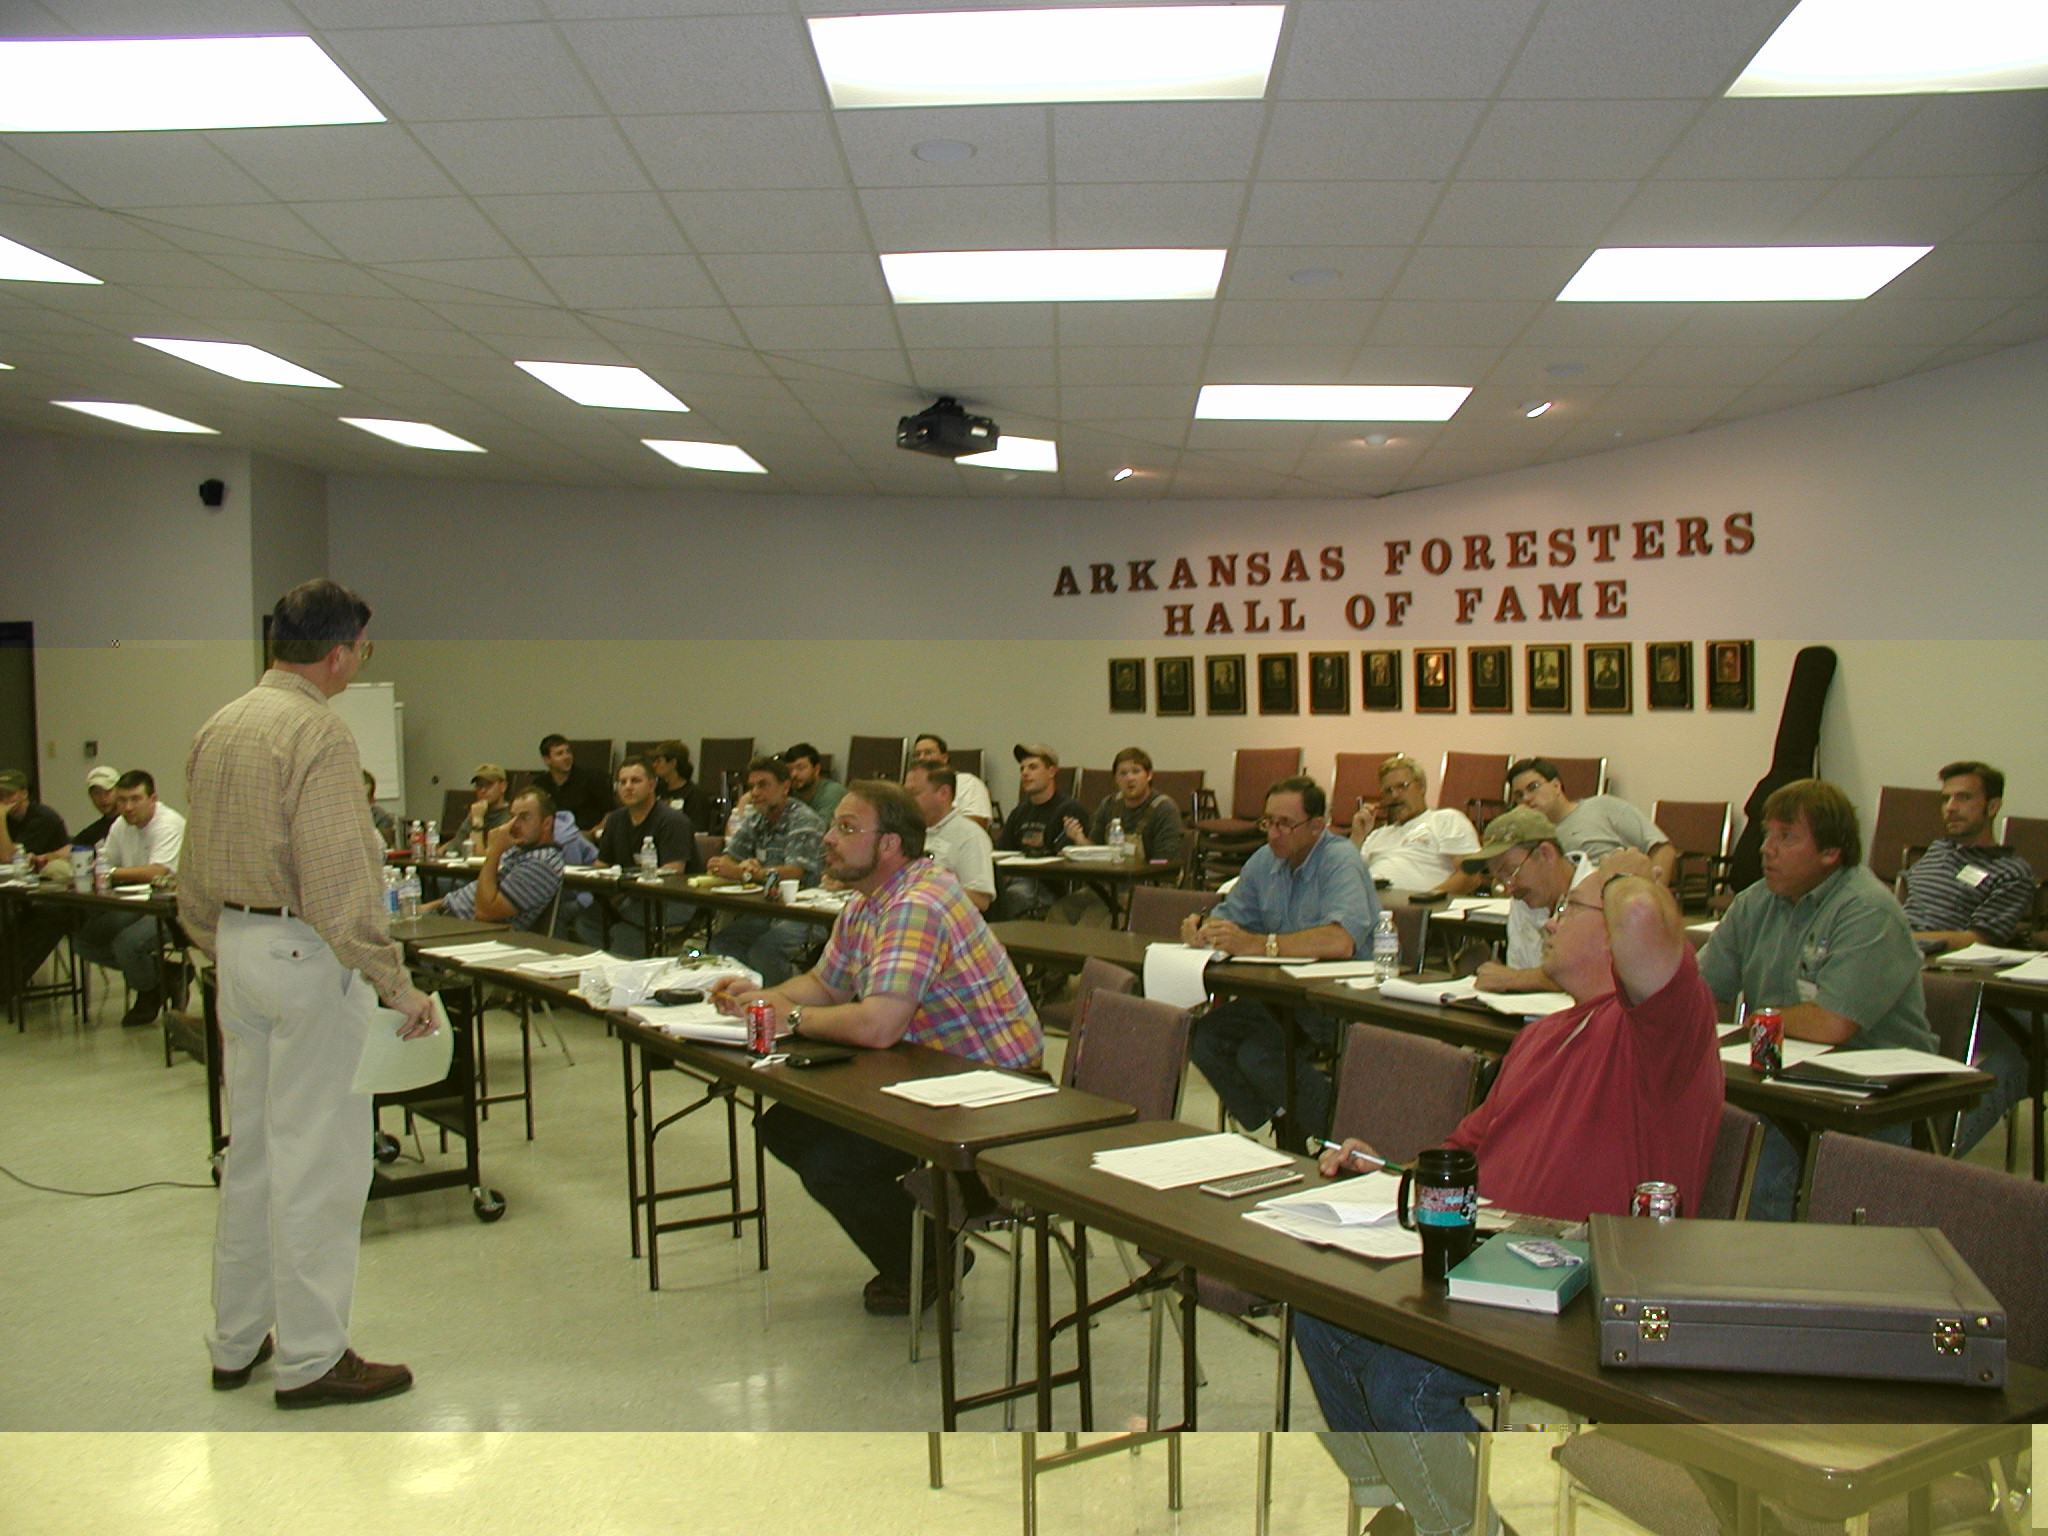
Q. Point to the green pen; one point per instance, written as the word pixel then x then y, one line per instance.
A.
pixel 1363 1162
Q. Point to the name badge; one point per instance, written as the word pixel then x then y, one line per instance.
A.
pixel 1972 875
pixel 1809 991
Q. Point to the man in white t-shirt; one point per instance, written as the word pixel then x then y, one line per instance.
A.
pixel 143 845
pixel 1416 849
pixel 950 838
pixel 970 798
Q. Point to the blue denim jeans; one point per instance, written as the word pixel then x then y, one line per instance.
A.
pixel 2000 1055
pixel 1777 1172
pixel 1363 1384
pixel 1239 1047
pixel 1428 1475
pixel 767 945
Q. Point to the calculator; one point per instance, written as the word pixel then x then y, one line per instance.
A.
pixel 1255 1182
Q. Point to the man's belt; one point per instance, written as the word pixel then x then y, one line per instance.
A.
pixel 259 911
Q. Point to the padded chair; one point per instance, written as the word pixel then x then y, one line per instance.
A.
pixel 1067 781
pixel 640 749
pixel 1357 778
pixel 964 760
pixel 2028 836
pixel 1955 1008
pixel 1224 842
pixel 455 804
pixel 1096 976
pixel 1475 783
pixel 1412 924
pixel 719 758
pixel 1180 785
pixel 1906 818
pixel 876 757
pixel 1731 1172
pixel 1701 831
pixel 1399 1092
pixel 595 754
pixel 1581 777
pixel 1157 910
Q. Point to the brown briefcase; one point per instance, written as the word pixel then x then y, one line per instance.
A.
pixel 1896 1303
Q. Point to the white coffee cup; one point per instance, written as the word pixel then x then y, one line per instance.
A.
pixel 787 892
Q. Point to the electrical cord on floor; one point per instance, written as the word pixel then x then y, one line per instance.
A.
pixel 101 1194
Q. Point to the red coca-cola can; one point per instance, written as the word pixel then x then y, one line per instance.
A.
pixel 1767 1041
pixel 760 1027
pixel 1656 1200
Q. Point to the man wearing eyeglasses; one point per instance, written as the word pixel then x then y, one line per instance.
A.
pixel 1304 895
pixel 909 959
pixel 1415 848
pixel 1622 1087
pixel 1524 857
pixel 1596 825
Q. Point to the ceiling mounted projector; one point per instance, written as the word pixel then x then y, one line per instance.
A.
pixel 945 429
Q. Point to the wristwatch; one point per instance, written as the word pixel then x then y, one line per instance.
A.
pixel 1272 946
pixel 795 1016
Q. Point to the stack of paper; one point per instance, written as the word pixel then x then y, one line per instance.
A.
pixel 692 1021
pixel 1190 1160
pixel 1174 972
pixel 491 954
pixel 611 872
pixel 2034 970
pixel 970 1090
pixel 1987 954
pixel 1356 1215
pixel 822 899
pixel 1794 1052
pixel 1331 970
pixel 569 965
pixel 1523 1005
pixel 1476 906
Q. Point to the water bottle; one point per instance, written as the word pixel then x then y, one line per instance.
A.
pixel 81 867
pixel 102 870
pixel 21 869
pixel 433 840
pixel 391 890
pixel 647 858
pixel 416 839
pixel 1117 850
pixel 1386 949
pixel 409 894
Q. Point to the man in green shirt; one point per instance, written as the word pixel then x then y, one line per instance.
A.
pixel 1820 938
pixel 808 783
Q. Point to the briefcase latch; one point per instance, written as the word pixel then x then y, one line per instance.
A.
pixel 1948 1335
pixel 1656 1323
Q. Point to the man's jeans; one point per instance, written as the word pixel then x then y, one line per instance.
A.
pixel 1239 1047
pixel 1364 1384
pixel 1777 1172
pixel 1431 1476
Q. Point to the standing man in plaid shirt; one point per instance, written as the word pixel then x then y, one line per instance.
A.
pixel 909 959
pixel 282 884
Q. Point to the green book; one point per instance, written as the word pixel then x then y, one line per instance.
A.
pixel 1494 1277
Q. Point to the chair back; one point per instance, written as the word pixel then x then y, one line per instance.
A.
pixel 1131 1049
pixel 1157 910
pixel 455 804
pixel 876 757
pixel 545 923
pixel 595 754
pixel 1400 1092
pixel 1097 975
pixel 2028 837
pixel 1254 770
pixel 1997 1221
pixel 1906 818
pixel 964 760
pixel 1412 924
pixel 1695 826
pixel 1357 778
pixel 709 846
pixel 1179 785
pixel 718 756
pixel 1475 783
pixel 1954 1003
pixel 1731 1171
pixel 1581 776
pixel 641 748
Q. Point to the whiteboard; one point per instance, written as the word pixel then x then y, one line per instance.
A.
pixel 373 712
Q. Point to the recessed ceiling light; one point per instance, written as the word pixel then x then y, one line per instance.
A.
pixel 1048 277
pixel 122 84
pixel 975 58
pixel 1534 408
pixel 240 362
pixel 726 457
pixel 1124 474
pixel 413 434
pixel 943 151
pixel 1737 274
pixel 1314 276
pixel 626 389
pixel 19 264
pixel 1901 47
pixel 135 416
pixel 1330 402
pixel 1038 454
pixel 1374 440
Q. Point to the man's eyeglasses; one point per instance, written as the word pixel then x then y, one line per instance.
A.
pixel 365 649
pixel 1283 825
pixel 1567 904
pixel 849 829
pixel 1396 789
pixel 1507 876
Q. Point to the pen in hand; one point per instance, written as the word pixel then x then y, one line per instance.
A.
pixel 1360 1162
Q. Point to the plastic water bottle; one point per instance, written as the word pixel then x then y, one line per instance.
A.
pixel 1117 848
pixel 416 839
pixel 647 858
pixel 391 878
pixel 21 870
pixel 102 870
pixel 433 840
pixel 1386 949
pixel 81 867
pixel 409 894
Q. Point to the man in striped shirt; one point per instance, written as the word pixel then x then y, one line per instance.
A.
pixel 522 869
pixel 909 959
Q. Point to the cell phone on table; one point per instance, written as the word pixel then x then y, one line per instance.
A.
pixel 1256 1182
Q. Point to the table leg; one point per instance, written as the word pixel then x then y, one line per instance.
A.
pixel 647 1173
pixel 1919 1511
pixel 942 1254
pixel 1749 1516
pixel 1084 1325
pixel 483 1057
pixel 760 1189
pixel 1289 1137
pixel 1188 1367
pixel 632 1147
pixel 1041 1294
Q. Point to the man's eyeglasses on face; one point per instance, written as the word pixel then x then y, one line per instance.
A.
pixel 1507 876
pixel 844 828
pixel 1282 824
pixel 1557 913
pixel 1388 790
pixel 364 650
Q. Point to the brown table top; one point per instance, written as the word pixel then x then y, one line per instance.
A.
pixel 1552 1357
pixel 1123 871
pixel 1067 944
pixel 440 928
pixel 58 893
pixel 849 1094
pixel 675 890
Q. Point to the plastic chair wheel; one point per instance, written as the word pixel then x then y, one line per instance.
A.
pixel 386 1147
pixel 488 1204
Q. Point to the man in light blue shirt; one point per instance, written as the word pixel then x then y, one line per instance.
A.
pixel 1305 895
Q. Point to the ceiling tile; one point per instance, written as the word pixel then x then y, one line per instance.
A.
pixel 959 218
pixel 289 275
pixel 926 326
pixel 1656 402
pixel 1986 133
pixel 946 369
pixel 1884 321
pixel 1367 140
pixel 1712 212
pixel 875 365
pixel 1172 215
pixel 238 229
pixel 1338 213
pixel 699 64
pixel 1845 367
pixel 1660 47
pixel 1242 322
pixel 710 323
pixel 1159 323
pixel 1783 138
pixel 1458 325
pixel 818 325
pixel 417 13
pixel 337 161
pixel 2008 269
pixel 1156 141
pixel 140 170
pixel 1611 325
pixel 1678 366
pixel 1475 273
pixel 1127 365
pixel 541 154
pixel 435 74
pixel 1280 361
pixel 415 229
pixel 765 221
pixel 798 279
pixel 1525 213
pixel 1574 140
pixel 1341 50
pixel 1010 145
pixel 738 150
pixel 1898 210
pixel 18 173
pixel 2021 215
pixel 626 282
pixel 1769 325
pixel 593 224
pixel 1435 364
pixel 1267 272
pixel 509 277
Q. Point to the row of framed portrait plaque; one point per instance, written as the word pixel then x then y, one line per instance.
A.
pixel 1488 673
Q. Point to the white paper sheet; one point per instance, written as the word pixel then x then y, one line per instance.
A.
pixel 1190 1160
pixel 391 1065
pixel 1390 1241
pixel 1987 954
pixel 472 951
pixel 692 1021
pixel 1361 1202
pixel 970 1090
pixel 1173 974
pixel 1707 926
pixel 1892 1063
pixel 1522 1005
pixel 1795 1051
pixel 2035 970
pixel 569 965
pixel 1331 970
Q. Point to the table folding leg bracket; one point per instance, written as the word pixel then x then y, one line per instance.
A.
pixel 644 1189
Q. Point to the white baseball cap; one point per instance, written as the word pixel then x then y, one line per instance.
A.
pixel 103 777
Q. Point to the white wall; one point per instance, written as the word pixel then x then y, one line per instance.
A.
pixel 138 593
pixel 287 530
pixel 1901 526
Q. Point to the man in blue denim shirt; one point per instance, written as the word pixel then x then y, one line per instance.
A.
pixel 1304 895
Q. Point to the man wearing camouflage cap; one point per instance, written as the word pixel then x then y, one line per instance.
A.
pixel 1522 853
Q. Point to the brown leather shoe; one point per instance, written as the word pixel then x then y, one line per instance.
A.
pixel 352 1380
pixel 227 1381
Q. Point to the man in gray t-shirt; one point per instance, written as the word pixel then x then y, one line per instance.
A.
pixel 1595 826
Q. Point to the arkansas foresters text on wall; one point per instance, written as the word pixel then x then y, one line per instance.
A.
pixel 1444 567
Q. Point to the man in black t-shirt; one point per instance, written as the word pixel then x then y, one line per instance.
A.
pixel 675 787
pixel 30 825
pixel 99 784
pixel 578 788
pixel 1038 826
pixel 640 816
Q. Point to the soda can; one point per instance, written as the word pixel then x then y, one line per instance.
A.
pixel 760 1027
pixel 1767 1041
pixel 1656 1199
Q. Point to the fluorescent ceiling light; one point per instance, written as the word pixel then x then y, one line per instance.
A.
pixel 727 457
pixel 414 434
pixel 6 367
pixel 1901 48
pixel 109 85
pixel 135 416
pixel 19 264
pixel 1039 454
pixel 1049 277
pixel 240 362
pixel 626 389
pixel 973 58
pixel 1330 402
pixel 1737 274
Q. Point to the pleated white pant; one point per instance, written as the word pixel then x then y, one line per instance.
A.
pixel 299 1155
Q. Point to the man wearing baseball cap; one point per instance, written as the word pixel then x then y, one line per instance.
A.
pixel 487 811
pixel 1522 853
pixel 1037 827
pixel 99 784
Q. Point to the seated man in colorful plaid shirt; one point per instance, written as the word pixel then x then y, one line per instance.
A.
pixel 909 959
pixel 522 869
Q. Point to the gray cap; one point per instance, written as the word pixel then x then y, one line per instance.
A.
pixel 12 781
pixel 1510 829
pixel 1025 749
